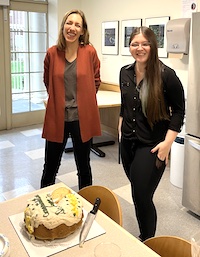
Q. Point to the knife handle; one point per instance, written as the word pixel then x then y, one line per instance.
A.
pixel 96 206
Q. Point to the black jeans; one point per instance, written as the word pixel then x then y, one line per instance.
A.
pixel 140 167
pixel 53 155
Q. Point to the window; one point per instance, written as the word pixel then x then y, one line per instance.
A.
pixel 28 42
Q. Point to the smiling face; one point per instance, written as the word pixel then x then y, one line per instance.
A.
pixel 73 28
pixel 140 48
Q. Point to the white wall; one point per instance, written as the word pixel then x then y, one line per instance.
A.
pixel 109 10
pixel 52 22
pixel 57 9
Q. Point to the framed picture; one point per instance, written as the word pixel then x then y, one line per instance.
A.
pixel 127 28
pixel 110 37
pixel 158 25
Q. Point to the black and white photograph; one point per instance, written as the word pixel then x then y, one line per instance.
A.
pixel 127 28
pixel 110 37
pixel 158 25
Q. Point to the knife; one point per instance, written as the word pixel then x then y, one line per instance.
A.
pixel 88 222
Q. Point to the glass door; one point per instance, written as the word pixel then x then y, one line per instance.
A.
pixel 23 38
pixel 28 43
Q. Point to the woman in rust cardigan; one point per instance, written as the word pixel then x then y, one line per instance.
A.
pixel 72 78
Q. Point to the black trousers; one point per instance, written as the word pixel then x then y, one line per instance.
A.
pixel 140 167
pixel 54 152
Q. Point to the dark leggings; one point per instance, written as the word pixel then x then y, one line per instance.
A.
pixel 140 167
pixel 53 155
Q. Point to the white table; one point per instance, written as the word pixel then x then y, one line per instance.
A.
pixel 130 246
pixel 107 99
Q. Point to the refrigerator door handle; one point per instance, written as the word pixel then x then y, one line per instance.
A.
pixel 194 144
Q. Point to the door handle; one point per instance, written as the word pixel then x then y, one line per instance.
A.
pixel 194 144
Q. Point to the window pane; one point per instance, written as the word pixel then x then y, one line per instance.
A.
pixel 19 41
pixel 37 101
pixel 37 22
pixel 36 82
pixel 36 62
pixel 19 63
pixel 20 103
pixel 18 21
pixel 38 42
pixel 20 83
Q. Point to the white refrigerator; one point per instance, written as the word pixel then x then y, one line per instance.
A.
pixel 191 175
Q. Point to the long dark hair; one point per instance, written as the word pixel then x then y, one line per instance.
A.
pixel 156 108
pixel 83 39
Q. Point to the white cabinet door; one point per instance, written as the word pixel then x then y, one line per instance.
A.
pixel 191 176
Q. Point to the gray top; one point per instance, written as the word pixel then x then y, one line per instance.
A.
pixel 71 110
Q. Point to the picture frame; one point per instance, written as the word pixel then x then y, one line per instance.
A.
pixel 110 37
pixel 127 27
pixel 158 25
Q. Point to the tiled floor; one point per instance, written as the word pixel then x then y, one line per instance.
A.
pixel 21 163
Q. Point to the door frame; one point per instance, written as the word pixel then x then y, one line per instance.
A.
pixel 5 82
pixel 7 119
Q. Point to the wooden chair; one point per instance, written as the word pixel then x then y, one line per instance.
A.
pixel 169 246
pixel 109 202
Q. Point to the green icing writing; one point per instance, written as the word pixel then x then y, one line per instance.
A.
pixel 38 200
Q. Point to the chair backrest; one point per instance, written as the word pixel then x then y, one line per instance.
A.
pixel 169 246
pixel 109 202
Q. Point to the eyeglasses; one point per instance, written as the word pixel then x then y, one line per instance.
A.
pixel 143 45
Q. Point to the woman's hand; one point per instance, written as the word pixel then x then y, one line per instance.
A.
pixel 163 148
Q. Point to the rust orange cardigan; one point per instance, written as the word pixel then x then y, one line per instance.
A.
pixel 88 81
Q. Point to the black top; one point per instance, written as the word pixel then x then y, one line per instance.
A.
pixel 135 125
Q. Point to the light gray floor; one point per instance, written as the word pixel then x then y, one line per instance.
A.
pixel 21 163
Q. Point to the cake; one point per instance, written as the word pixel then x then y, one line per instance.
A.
pixel 50 216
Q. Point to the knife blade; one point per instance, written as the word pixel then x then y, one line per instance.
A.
pixel 88 222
